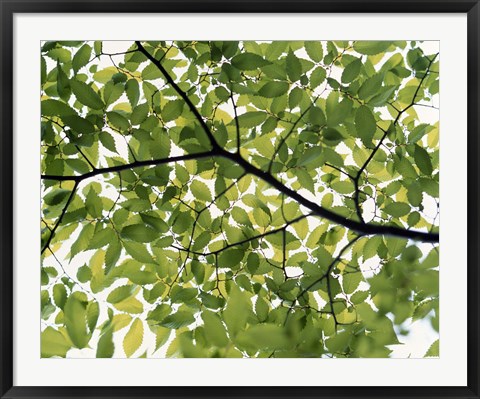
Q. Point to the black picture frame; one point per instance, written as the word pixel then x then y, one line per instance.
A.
pixel 9 8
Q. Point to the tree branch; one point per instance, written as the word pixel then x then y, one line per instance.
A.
pixel 136 164
pixel 181 93
pixel 385 134
pixel 52 232
pixel 285 138
pixel 359 227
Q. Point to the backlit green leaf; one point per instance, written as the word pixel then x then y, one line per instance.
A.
pixel 397 209
pixel 76 321
pixel 248 61
pixel 139 233
pixel 365 123
pixel 53 343
pixel 86 95
pixel 81 57
pixel 273 89
pixel 134 338
pixel 372 47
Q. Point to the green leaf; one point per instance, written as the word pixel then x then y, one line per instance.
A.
pixel 59 295
pixel 133 91
pixel 130 305
pixel 81 57
pixel 84 274
pixel 337 112
pixel 433 350
pixel 418 132
pixel 151 72
pixel 43 70
pixel 351 71
pixel 230 258
pixel 86 95
pixel 382 97
pixel 405 168
pixel 134 338
pixel 154 222
pixel 317 77
pixel 423 161
pixel 310 156
pixel 76 321
pixel 201 191
pixel 415 194
pixel 105 75
pixel 112 92
pixel 120 293
pixel 261 309
pixel 222 93
pixel 118 121
pixel 264 337
pixel 371 47
pixel 105 346
pixel 107 141
pixel 78 165
pixel 294 67
pixel 397 209
pixel 413 219
pixel 274 89
pixel 139 114
pixel 365 124
pixel 78 124
pixel 184 295
pixel 251 119
pixel 172 110
pixel 63 84
pixel 214 329
pixel 139 233
pixel 83 240
pixel 93 204
pixel 249 61
pixel 359 297
pixel 351 282
pixel 332 135
pixel 371 247
pixel 112 255
pixel 314 50
pixel 305 180
pixel 316 116
pixel 261 217
pixel 56 108
pixel 56 196
pixel 178 320
pixel 93 311
pixel 237 311
pixel 53 343
pixel 370 87
pixel 160 312
pixel 60 54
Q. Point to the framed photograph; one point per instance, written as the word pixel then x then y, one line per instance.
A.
pixel 210 199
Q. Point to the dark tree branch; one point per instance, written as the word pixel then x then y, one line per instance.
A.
pixel 136 164
pixel 181 93
pixel 237 126
pixel 380 143
pixel 262 235
pixel 285 138
pixel 52 232
pixel 359 227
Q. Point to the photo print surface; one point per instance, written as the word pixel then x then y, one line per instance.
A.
pixel 239 199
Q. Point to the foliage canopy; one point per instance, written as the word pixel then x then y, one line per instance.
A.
pixel 237 199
